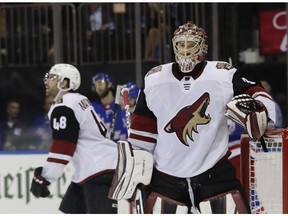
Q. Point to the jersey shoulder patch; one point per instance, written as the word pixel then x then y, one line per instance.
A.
pixel 154 70
pixel 224 65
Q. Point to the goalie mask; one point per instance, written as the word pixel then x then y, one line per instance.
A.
pixel 190 46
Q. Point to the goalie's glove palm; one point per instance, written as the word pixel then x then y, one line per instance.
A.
pixel 39 185
pixel 249 113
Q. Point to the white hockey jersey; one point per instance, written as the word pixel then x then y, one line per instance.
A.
pixel 79 137
pixel 181 119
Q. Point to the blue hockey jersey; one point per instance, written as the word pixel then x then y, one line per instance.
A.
pixel 106 113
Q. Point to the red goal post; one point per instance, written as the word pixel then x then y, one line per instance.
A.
pixel 264 175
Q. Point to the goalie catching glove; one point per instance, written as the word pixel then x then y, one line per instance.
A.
pixel 39 186
pixel 249 113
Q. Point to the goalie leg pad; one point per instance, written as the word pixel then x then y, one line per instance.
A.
pixel 134 167
pixel 159 204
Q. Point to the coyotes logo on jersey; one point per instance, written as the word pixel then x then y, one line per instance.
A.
pixel 188 118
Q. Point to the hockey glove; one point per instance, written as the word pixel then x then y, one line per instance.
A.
pixel 249 113
pixel 39 185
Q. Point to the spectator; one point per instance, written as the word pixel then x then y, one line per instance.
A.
pixel 159 23
pixel 100 32
pixel 41 127
pixel 3 33
pixel 279 116
pixel 104 105
pixel 13 132
pixel 153 37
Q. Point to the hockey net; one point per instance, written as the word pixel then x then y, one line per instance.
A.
pixel 264 175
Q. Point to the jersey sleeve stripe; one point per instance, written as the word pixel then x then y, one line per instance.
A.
pixel 143 124
pixel 261 94
pixel 256 91
pixel 63 147
pixel 56 160
pixel 59 156
pixel 145 134
pixel 142 138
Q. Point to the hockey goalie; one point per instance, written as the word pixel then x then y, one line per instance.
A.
pixel 180 119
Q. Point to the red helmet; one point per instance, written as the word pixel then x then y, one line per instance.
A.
pixel 190 46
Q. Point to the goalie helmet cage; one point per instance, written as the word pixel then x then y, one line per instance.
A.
pixel 264 175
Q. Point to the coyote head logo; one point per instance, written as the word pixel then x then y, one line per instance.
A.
pixel 188 118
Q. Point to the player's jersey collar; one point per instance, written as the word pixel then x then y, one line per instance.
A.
pixel 194 73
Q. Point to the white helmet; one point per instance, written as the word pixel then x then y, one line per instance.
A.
pixel 190 46
pixel 67 71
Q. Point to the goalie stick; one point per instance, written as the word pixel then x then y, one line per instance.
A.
pixel 125 94
pixel 137 202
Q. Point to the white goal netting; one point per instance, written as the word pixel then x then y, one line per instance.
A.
pixel 265 173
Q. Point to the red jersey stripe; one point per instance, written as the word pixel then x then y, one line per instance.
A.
pixel 56 160
pixel 149 126
pixel 63 147
pixel 258 89
pixel 142 138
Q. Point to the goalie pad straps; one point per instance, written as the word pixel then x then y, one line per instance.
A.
pixel 159 204
pixel 134 167
pixel 249 113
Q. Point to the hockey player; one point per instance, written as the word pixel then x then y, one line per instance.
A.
pixel 132 95
pixel 79 137
pixel 180 119
pixel 104 105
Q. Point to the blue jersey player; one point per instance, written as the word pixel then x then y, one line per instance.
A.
pixel 104 105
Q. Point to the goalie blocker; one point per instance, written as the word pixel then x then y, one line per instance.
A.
pixel 134 167
pixel 249 113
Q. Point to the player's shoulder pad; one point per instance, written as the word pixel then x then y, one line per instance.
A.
pixel 64 111
pixel 223 65
pixel 154 70
pixel 73 100
pixel 159 68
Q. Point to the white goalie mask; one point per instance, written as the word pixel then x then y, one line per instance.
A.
pixel 69 72
pixel 190 46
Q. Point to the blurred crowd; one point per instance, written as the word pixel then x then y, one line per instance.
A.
pixel 100 30
pixel 16 134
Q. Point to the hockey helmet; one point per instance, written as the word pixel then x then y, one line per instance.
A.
pixel 133 90
pixel 190 46
pixel 103 76
pixel 67 71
